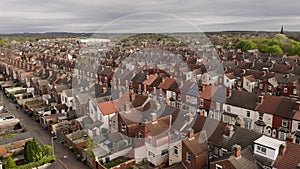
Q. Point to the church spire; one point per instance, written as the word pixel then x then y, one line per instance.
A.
pixel 281 30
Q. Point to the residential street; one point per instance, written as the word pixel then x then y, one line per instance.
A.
pixel 43 136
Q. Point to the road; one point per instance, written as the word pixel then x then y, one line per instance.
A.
pixel 43 136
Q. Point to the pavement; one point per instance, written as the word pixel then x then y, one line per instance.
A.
pixel 43 136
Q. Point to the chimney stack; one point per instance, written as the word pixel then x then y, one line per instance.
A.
pixel 229 130
pixel 260 99
pixel 297 106
pixel 229 93
pixel 291 137
pixel 282 149
pixel 191 134
pixel 153 117
pixel 236 151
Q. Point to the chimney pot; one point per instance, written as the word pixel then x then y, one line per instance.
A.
pixel 236 151
pixel 229 130
pixel 260 99
pixel 282 149
pixel 153 117
pixel 191 134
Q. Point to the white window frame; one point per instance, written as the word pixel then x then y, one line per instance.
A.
pixel 285 90
pixel 285 122
pixel 188 156
pixel 294 91
pixel 218 166
pixel 201 102
pixel 261 149
pixel 176 150
pixel 123 127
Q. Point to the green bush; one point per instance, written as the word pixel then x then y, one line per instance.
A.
pixel 43 161
pixel 10 163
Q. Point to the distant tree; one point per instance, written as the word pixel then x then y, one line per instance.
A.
pixel 2 43
pixel 10 164
pixel 274 49
pixel 246 44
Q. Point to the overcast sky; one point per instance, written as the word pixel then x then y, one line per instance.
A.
pixel 91 15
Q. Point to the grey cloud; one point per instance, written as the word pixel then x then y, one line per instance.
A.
pixel 90 15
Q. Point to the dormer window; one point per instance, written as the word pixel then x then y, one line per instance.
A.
pixel 298 126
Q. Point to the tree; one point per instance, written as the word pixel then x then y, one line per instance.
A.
pixel 2 43
pixel 245 45
pixel 46 150
pixel 274 49
pixel 10 163
pixel 32 151
pixel 90 145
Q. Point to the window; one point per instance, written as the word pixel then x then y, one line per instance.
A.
pixel 297 140
pixel 294 91
pixel 218 166
pixel 150 154
pixel 201 102
pixel 282 135
pixel 247 124
pixel 284 122
pixel 123 127
pixel 269 87
pixel 261 86
pixel 188 98
pixel 150 140
pixel 176 150
pixel 261 116
pixel 248 113
pixel 188 156
pixel 216 151
pixel 140 135
pixel 298 125
pixel 164 152
pixel 285 90
pixel 228 109
pixel 261 149
pixel 247 83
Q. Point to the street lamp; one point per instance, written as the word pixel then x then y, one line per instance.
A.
pixel 52 141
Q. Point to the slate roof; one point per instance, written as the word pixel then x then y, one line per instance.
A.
pixel 279 106
pixel 21 136
pixel 139 78
pixel 215 130
pixel 198 145
pixel 56 165
pixel 169 84
pixel 237 98
pixel 246 161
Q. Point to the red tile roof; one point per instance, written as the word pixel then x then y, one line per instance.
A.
pixel 290 159
pixel 169 84
pixel 208 92
pixel 150 80
pixel 108 108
